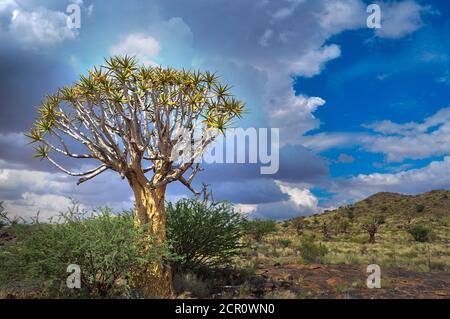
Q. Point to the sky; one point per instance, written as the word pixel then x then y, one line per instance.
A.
pixel 360 110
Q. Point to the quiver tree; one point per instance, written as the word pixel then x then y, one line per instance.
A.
pixel 371 226
pixel 148 124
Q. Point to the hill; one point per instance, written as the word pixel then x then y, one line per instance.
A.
pixel 327 254
pixel 399 213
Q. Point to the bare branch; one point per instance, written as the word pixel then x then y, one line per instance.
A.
pixel 71 173
pixel 92 175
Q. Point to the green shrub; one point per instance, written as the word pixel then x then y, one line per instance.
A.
pixel 420 233
pixel 108 248
pixel 203 234
pixel 257 229
pixel 420 208
pixel 284 242
pixel 312 252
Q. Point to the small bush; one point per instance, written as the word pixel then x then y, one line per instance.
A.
pixel 312 252
pixel 203 234
pixel 420 208
pixel 284 242
pixel 420 233
pixel 108 249
pixel 257 229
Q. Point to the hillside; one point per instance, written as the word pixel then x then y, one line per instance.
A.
pixel 326 255
pixel 398 211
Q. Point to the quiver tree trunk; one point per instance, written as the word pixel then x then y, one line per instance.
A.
pixel 155 281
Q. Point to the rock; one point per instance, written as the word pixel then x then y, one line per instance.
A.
pixel 333 282
pixel 441 293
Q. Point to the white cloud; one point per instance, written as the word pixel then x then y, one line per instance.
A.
pixel 303 198
pixel 144 47
pixel 27 191
pixel 36 27
pixel 246 208
pixel 300 202
pixel 398 142
pixel 412 140
pixel 28 206
pixel 339 15
pixel 7 5
pixel 295 115
pixel 400 19
pixel 436 175
pixel 313 62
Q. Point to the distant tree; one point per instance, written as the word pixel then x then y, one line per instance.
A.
pixel 258 228
pixel 343 225
pixel 350 214
pixel 137 120
pixel 326 231
pixel 420 208
pixel 372 226
pixel 300 224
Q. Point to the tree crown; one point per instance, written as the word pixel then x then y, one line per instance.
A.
pixel 125 115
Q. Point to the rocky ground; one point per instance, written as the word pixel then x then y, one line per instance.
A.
pixel 339 281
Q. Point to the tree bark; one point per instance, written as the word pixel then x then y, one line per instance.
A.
pixel 156 280
pixel 372 238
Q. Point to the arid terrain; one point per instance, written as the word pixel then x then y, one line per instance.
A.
pixel 409 269
pixel 326 256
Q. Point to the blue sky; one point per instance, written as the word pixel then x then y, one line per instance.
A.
pixel 360 110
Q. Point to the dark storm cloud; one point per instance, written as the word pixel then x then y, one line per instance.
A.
pixel 297 164
pixel 25 79
pixel 248 191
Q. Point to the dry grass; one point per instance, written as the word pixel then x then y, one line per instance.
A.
pixel 394 247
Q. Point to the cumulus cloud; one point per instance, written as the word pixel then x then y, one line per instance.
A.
pixel 436 175
pixel 313 62
pixel 25 192
pixel 401 18
pixel 299 202
pixel 295 115
pixel 338 15
pixel 144 47
pixel 35 27
pixel 303 198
